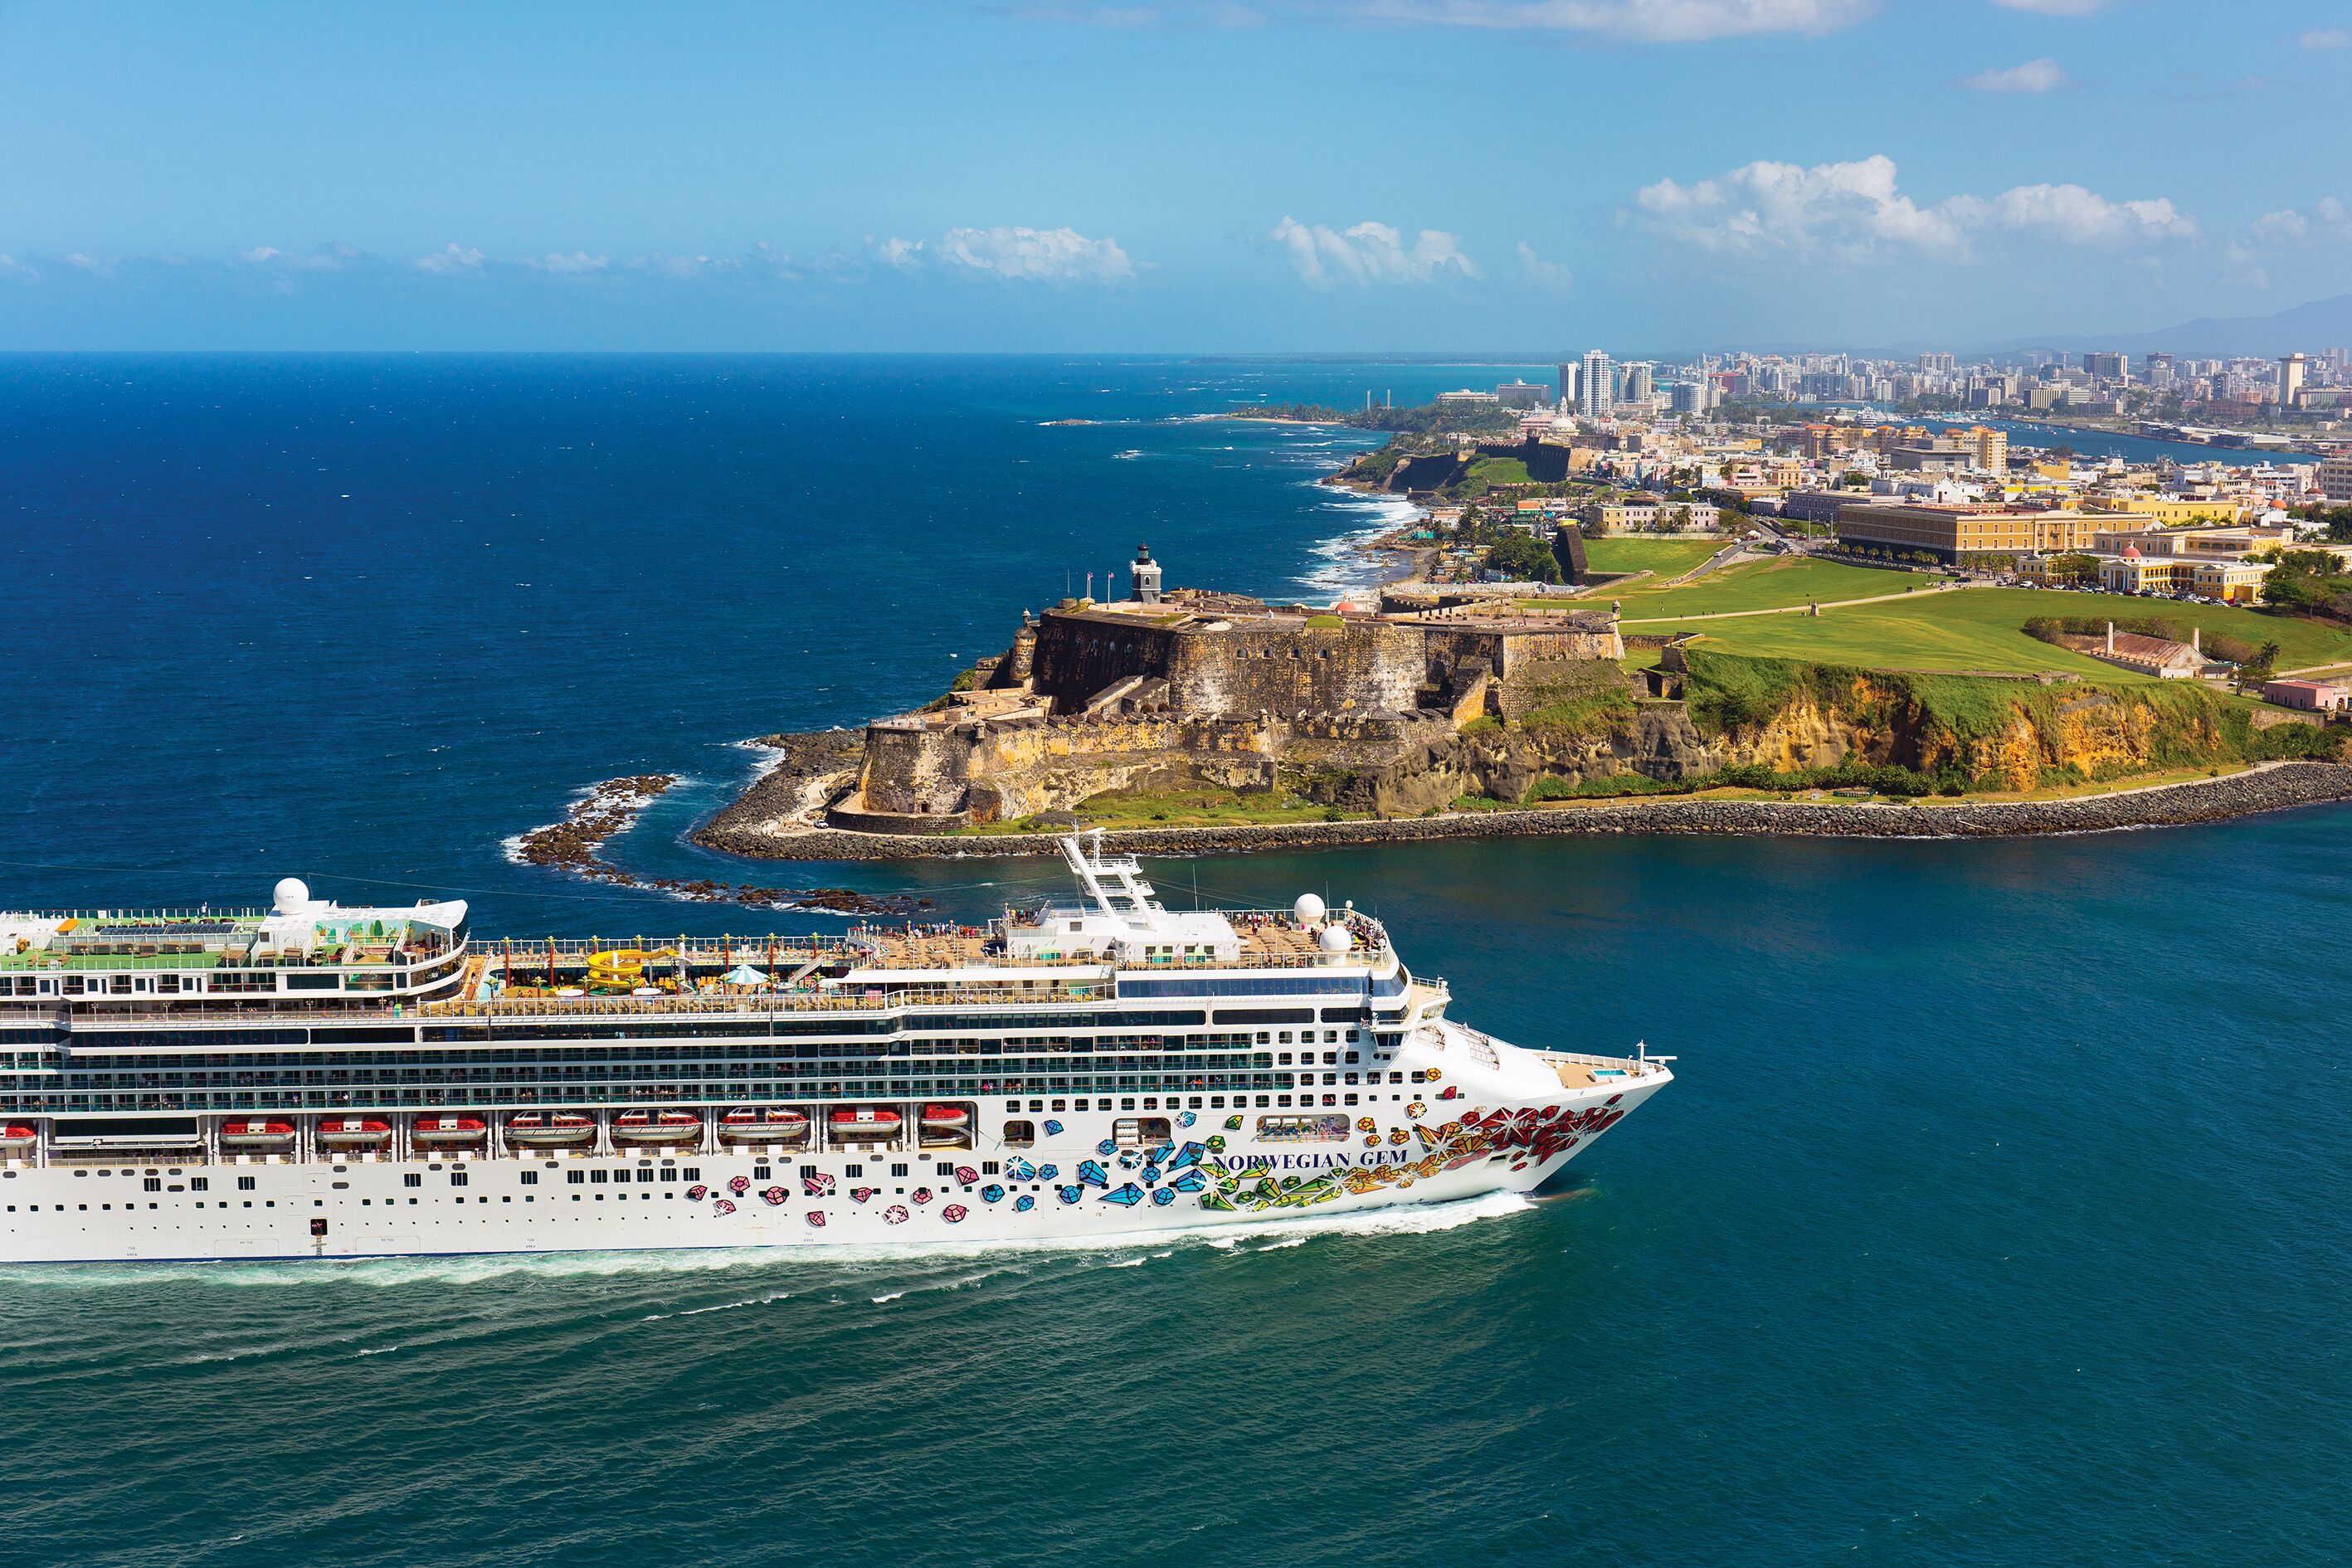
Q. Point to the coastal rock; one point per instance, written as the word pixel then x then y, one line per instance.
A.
pixel 2271 787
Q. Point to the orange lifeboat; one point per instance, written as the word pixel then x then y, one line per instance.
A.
pixel 945 1118
pixel 763 1124
pixel 656 1127
pixel 868 1125
pixel 16 1138
pixel 248 1137
pixel 354 1132
pixel 446 1131
pixel 551 1129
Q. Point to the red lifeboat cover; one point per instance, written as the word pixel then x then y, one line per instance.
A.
pixel 865 1118
pixel 354 1124
pixel 449 1124
pixel 944 1114
pixel 258 1128
pixel 748 1118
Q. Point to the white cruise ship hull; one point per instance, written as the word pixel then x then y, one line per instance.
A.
pixel 1408 1150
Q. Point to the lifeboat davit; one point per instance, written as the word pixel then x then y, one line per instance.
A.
pixel 774 1124
pixel 949 1117
pixel 550 1130
pixel 354 1132
pixel 656 1127
pixel 860 1126
pixel 256 1135
pixel 16 1136
pixel 446 1131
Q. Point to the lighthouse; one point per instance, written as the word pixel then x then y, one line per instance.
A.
pixel 1147 576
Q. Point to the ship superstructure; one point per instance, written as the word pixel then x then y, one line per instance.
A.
pixel 317 1081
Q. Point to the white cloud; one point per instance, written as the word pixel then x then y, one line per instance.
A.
pixel 1636 21
pixel 2033 76
pixel 452 257
pixel 1542 273
pixel 2326 38
pixel 1369 253
pixel 1030 255
pixel 897 252
pixel 2329 220
pixel 2054 7
pixel 324 259
pixel 686 267
pixel 576 262
pixel 1855 212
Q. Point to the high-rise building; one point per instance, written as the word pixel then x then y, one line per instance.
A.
pixel 1639 382
pixel 2290 379
pixel 1568 381
pixel 2107 366
pixel 1691 396
pixel 1597 384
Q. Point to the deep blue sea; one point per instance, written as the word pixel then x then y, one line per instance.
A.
pixel 1999 1215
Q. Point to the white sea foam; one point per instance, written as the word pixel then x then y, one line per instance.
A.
pixel 1345 567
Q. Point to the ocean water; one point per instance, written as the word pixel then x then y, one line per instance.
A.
pixel 1997 1216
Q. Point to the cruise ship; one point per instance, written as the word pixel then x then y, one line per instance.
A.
pixel 312 1080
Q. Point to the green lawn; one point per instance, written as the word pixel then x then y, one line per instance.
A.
pixel 1667 557
pixel 1766 585
pixel 1978 629
pixel 1498 471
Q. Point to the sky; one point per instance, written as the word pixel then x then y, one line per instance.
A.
pixel 1252 176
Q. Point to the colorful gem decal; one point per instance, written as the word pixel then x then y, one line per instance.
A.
pixel 1233 1124
pixel 774 1195
pixel 1053 1129
pixel 739 1185
pixel 723 1206
pixel 1417 1109
pixel 1024 1204
pixel 1106 1148
pixel 697 1192
pixel 1163 1197
pixel 1129 1159
pixel 1366 1124
pixel 816 1219
pixel 1069 1194
pixel 863 1194
pixel 895 1215
pixel 966 1175
pixel 1127 1197
pixel 1092 1174
pixel 992 1193
pixel 922 1195
pixel 1020 1170
pixel 817 1186
pixel 1186 1119
pixel 1048 1172
pixel 953 1214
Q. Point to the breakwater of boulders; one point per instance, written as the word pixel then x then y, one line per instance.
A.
pixel 2274 787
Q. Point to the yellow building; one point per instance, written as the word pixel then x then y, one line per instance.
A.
pixel 1972 529
pixel 2232 582
pixel 2170 513
pixel 2132 572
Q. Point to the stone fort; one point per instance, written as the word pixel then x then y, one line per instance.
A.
pixel 1169 688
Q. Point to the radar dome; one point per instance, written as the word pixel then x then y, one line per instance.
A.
pixel 1308 909
pixel 1335 939
pixel 292 894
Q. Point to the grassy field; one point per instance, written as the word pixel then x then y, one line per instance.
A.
pixel 1202 807
pixel 1979 629
pixel 1766 586
pixel 1667 557
pixel 1498 471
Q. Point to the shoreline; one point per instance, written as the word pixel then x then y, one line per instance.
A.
pixel 2271 786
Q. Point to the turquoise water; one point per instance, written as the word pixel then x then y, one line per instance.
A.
pixel 1997 1216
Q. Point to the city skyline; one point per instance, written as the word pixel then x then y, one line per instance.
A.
pixel 1406 174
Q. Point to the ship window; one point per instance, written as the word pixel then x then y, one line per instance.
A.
pixel 1285 1037
pixel 1061 1105
pixel 1136 1132
pixel 245 1183
pixel 988 1168
pixel 853 1170
pixel 575 1177
pixel 200 1183
pixel 412 1180
pixel 898 1170
pixel 1020 1134
pixel 600 1177
pixel 456 1178
pixel 153 1185
pixel 1283 1059
pixel 1347 1100
pixel 759 1173
pixel 692 1173
pixel 1261 1101
pixel 531 1178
